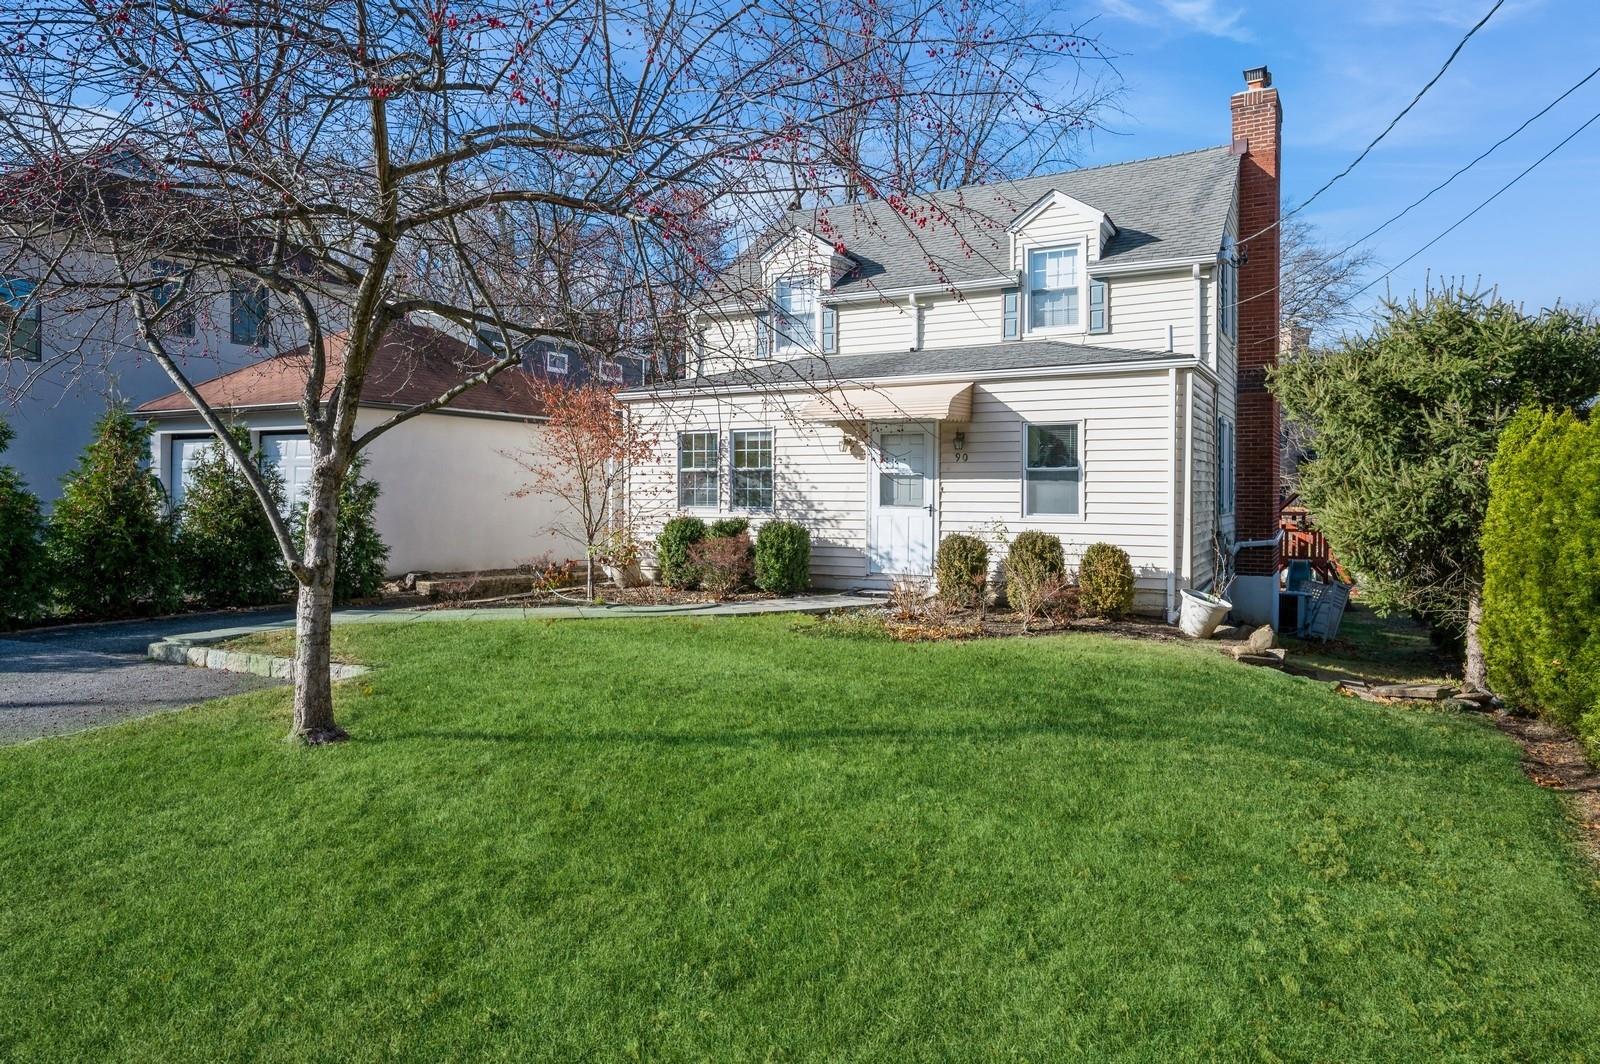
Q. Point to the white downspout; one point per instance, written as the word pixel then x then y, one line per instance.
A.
pixel 1172 493
pixel 1188 480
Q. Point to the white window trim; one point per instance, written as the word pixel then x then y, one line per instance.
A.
pixel 715 469
pixel 776 347
pixel 550 360
pixel 1026 304
pixel 1083 471
pixel 734 507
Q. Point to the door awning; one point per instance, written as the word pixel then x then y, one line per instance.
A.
pixel 893 402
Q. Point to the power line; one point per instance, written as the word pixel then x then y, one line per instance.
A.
pixel 1496 195
pixel 1451 58
pixel 1546 109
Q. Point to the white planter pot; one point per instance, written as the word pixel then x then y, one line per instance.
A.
pixel 1201 613
pixel 625 575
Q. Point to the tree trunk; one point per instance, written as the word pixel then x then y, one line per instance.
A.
pixel 1475 674
pixel 588 573
pixel 313 624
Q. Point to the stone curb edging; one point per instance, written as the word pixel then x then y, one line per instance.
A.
pixel 183 651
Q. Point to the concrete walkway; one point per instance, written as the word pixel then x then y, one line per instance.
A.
pixel 59 680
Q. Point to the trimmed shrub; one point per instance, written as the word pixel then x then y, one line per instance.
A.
pixel 22 560
pixel 722 562
pixel 672 551
pixel 783 557
pixel 1035 571
pixel 728 526
pixel 226 549
pixel 109 539
pixel 1541 558
pixel 961 571
pixel 1105 581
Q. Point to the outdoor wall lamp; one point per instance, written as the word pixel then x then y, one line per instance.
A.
pixel 959 441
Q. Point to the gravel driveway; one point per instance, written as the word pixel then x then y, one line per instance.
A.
pixel 59 680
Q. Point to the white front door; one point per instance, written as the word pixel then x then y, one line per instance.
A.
pixel 290 454
pixel 186 452
pixel 904 469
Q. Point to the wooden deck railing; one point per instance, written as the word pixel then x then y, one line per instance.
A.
pixel 1302 541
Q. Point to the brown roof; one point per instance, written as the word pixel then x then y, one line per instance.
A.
pixel 413 364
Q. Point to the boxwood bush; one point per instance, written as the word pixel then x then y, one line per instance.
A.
pixel 961 570
pixel 1035 569
pixel 1541 558
pixel 109 539
pixel 1105 581
pixel 22 585
pixel 724 527
pixel 673 551
pixel 783 557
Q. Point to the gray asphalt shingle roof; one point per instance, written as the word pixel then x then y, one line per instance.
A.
pixel 975 361
pixel 1169 207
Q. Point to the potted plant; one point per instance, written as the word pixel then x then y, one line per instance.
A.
pixel 619 557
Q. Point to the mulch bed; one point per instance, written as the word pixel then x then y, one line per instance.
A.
pixel 1554 759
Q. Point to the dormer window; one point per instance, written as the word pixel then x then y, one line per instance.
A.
pixel 1055 280
pixel 795 320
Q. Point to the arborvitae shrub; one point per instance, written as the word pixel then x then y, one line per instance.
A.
pixel 228 553
pixel 109 538
pixel 22 561
pixel 961 570
pixel 672 551
pixel 1105 581
pixel 1541 558
pixel 783 557
pixel 359 566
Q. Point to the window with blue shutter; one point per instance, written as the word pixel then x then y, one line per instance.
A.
pixel 1099 322
pixel 830 330
pixel 1011 315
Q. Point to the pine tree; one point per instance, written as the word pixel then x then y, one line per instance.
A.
pixel 22 583
pixel 228 552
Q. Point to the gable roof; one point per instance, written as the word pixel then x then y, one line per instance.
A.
pixel 413 364
pixel 1169 207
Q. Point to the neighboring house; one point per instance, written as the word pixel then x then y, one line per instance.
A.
pixel 448 484
pixel 64 367
pixel 1080 353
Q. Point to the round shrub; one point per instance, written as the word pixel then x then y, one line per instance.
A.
pixel 1105 581
pixel 109 539
pixel 724 527
pixel 672 551
pixel 961 570
pixel 783 557
pixel 722 563
pixel 1035 568
pixel 226 547
pixel 21 550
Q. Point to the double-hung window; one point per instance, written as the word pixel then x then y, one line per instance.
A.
pixel 1225 465
pixel 247 321
pixel 179 321
pixel 752 469
pixel 555 362
pixel 19 320
pixel 697 471
pixel 1052 470
pixel 795 320
pixel 611 371
pixel 1054 288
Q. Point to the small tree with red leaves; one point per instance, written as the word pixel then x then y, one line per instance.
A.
pixel 581 457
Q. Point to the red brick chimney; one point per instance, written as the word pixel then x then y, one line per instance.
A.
pixel 1257 125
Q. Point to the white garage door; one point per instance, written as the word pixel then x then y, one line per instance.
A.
pixel 290 454
pixel 186 452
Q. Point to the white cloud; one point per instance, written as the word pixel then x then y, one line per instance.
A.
pixel 1198 16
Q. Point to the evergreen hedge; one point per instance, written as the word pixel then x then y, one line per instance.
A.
pixel 961 570
pixel 783 557
pixel 109 539
pixel 1105 581
pixel 22 559
pixel 672 551
pixel 1035 565
pixel 1541 554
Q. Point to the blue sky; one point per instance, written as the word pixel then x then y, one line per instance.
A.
pixel 1344 69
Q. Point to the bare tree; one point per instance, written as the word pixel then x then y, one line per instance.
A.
pixel 358 160
pixel 1317 287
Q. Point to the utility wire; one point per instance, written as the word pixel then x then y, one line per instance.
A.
pixel 1546 109
pixel 1496 195
pixel 1451 58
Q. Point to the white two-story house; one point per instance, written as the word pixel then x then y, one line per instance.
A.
pixel 1061 353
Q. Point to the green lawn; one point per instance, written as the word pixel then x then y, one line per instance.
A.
pixel 1373 649
pixel 743 839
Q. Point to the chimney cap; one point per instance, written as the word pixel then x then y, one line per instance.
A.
pixel 1258 78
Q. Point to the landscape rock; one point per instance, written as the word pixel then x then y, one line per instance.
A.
pixel 1427 692
pixel 1262 640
